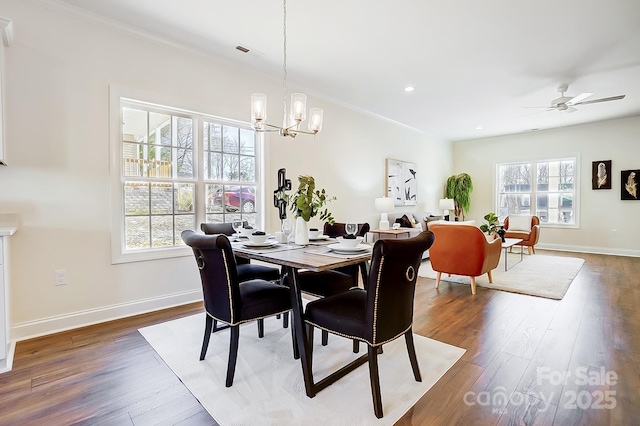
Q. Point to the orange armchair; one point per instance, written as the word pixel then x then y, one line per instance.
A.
pixel 463 250
pixel 529 238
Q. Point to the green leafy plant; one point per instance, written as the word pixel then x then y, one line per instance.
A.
pixel 308 202
pixel 491 224
pixel 459 188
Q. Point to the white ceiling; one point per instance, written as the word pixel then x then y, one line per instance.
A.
pixel 472 63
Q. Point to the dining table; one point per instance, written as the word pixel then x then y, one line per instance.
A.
pixel 315 257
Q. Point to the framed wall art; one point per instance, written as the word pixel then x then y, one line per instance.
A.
pixel 601 174
pixel 402 185
pixel 629 184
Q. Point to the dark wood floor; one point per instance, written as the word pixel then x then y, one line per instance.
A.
pixel 108 375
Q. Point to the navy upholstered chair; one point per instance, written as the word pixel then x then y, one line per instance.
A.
pixel 381 313
pixel 228 300
pixel 335 281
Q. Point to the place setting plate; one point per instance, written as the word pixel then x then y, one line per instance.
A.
pixel 268 243
pixel 340 249
pixel 319 238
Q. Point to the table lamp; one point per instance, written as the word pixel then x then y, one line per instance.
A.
pixel 384 205
pixel 446 204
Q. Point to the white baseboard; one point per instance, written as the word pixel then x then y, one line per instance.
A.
pixel 587 249
pixel 7 363
pixel 44 326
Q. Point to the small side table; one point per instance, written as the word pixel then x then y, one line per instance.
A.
pixel 394 232
pixel 510 242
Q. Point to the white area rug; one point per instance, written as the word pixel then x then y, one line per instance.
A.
pixel 268 388
pixel 536 275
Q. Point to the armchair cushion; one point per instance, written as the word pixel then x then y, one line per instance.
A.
pixel 520 223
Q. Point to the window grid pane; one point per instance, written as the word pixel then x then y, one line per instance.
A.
pixel 552 197
pixel 158 175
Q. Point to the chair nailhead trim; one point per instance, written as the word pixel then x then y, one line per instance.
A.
pixel 247 320
pixel 360 338
pixel 375 303
pixel 226 270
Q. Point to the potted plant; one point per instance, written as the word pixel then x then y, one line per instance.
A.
pixel 491 225
pixel 308 202
pixel 459 187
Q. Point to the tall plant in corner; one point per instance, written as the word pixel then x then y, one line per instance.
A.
pixel 459 188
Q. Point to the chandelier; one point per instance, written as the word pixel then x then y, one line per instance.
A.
pixel 297 111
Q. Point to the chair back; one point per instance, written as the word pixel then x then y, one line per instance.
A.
pixel 535 220
pixel 225 228
pixel 218 273
pixel 337 229
pixel 463 250
pixel 391 285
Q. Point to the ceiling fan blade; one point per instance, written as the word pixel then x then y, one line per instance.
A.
pixel 613 98
pixel 578 98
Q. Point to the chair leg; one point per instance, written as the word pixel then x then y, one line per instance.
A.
pixel 296 350
pixel 411 349
pixel 233 354
pixel 438 279
pixel 261 328
pixel 473 285
pixel 310 342
pixel 325 337
pixel 208 325
pixel 490 277
pixel 285 320
pixel 215 325
pixel 375 381
pixel 530 249
pixel 356 346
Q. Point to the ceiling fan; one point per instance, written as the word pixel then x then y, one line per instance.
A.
pixel 567 103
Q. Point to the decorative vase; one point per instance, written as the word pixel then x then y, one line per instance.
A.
pixel 302 232
pixel 501 233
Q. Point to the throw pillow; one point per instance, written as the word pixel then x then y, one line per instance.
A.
pixel 404 222
pixel 520 223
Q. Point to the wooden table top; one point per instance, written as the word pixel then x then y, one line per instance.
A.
pixel 315 258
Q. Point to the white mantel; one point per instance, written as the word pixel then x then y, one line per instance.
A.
pixel 8 227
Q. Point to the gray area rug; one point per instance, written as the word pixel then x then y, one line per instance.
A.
pixel 268 388
pixel 537 275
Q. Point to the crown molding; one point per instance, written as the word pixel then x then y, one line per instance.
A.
pixel 6 30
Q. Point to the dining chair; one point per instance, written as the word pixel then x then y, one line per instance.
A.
pixel 335 281
pixel 246 269
pixel 226 298
pixel 380 314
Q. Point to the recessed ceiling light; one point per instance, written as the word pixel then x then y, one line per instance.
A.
pixel 409 89
pixel 479 128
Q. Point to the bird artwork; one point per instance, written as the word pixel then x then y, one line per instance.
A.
pixel 631 186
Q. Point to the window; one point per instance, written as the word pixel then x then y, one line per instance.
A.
pixel 553 196
pixel 175 169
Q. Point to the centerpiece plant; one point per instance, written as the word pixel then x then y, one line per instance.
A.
pixel 308 202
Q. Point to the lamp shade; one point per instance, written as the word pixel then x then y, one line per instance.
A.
pixel 447 204
pixel 384 205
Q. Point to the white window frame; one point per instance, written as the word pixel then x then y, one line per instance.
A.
pixel 117 97
pixel 533 200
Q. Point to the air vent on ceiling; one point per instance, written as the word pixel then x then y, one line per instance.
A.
pixel 242 49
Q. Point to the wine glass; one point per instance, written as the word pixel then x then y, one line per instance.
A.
pixel 287 228
pixel 351 228
pixel 237 226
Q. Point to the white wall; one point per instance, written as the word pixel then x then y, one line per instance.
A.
pixel 58 74
pixel 607 224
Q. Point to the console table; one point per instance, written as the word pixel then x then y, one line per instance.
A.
pixel 394 232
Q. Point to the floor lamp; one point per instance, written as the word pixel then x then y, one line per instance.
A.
pixel 384 205
pixel 446 204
